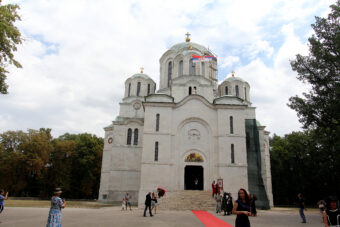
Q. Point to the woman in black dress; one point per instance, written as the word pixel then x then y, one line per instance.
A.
pixel 224 203
pixel 242 209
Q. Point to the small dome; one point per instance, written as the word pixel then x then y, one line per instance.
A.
pixel 234 78
pixel 258 123
pixel 186 45
pixel 142 75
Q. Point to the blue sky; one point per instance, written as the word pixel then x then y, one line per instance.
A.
pixel 77 55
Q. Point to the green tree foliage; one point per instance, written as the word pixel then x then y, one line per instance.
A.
pixel 298 165
pixel 33 163
pixel 22 160
pixel 319 109
pixel 10 37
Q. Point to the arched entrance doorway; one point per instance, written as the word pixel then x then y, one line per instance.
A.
pixel 193 178
pixel 193 174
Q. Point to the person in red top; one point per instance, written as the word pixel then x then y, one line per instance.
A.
pixel 214 191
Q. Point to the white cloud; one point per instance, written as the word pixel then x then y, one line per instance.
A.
pixel 78 54
pixel 271 87
pixel 229 61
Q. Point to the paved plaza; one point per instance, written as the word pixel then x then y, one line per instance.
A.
pixel 113 216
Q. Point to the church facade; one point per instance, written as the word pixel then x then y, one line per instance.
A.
pixel 186 134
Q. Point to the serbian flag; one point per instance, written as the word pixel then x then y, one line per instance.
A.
pixel 197 58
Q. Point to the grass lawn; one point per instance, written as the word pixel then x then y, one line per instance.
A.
pixel 47 203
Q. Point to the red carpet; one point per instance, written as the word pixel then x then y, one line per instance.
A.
pixel 210 220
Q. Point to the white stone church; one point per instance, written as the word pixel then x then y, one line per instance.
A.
pixel 192 128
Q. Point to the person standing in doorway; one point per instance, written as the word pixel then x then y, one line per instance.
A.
pixel 242 209
pixel 148 204
pixel 2 199
pixel 302 207
pixel 196 183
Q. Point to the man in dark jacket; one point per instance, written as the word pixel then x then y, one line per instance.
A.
pixel 302 207
pixel 148 204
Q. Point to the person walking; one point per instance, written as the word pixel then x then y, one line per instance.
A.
pixel 218 203
pixel 148 204
pixel 301 203
pixel 54 216
pixel 331 216
pixel 252 199
pixel 2 199
pixel 127 201
pixel 242 209
pixel 213 186
pixel 224 206
pixel 322 207
pixel 229 204
pixel 154 202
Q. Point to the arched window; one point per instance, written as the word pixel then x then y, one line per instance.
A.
pixel 180 68
pixel 148 89
pixel 190 91
pixel 232 153
pixel 138 88
pixel 129 90
pixel 203 68
pixel 245 93
pixel 231 125
pixel 135 138
pixel 157 122
pixel 226 90
pixel 237 92
pixel 193 157
pixel 194 91
pixel 169 73
pixel 156 151
pixel 129 134
pixel 192 68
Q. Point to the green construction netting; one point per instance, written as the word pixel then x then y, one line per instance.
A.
pixel 255 180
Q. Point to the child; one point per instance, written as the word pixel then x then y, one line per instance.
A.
pixel 2 198
pixel 123 204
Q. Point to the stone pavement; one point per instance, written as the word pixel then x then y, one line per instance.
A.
pixel 113 216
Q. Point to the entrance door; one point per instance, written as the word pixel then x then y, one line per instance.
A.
pixel 192 174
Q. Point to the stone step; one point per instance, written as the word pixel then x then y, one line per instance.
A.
pixel 187 200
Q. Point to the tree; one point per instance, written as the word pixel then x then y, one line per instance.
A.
pixel 86 165
pixel 319 109
pixel 298 165
pixel 10 37
pixel 23 157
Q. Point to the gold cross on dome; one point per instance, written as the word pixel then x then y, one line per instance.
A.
pixel 233 73
pixel 141 69
pixel 187 39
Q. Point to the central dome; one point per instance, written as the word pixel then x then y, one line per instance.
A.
pixel 186 45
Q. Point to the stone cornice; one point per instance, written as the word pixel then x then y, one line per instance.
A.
pixel 230 165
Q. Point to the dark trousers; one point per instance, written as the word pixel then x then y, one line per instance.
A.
pixel 146 207
pixel 302 215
